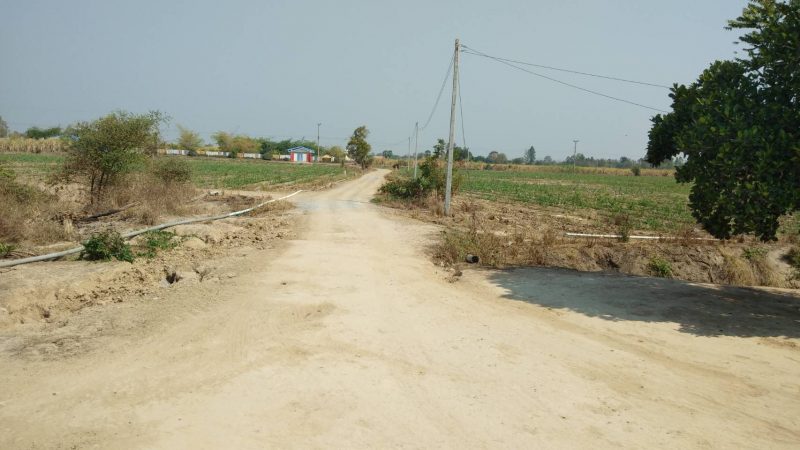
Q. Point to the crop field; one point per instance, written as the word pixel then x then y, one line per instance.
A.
pixel 656 203
pixel 235 174
pixel 35 166
pixel 206 172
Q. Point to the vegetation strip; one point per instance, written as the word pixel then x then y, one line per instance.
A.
pixel 56 255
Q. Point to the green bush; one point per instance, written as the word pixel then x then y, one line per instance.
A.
pixel 172 170
pixel 660 267
pixel 106 245
pixel 432 178
pixel 405 188
pixel 754 253
pixel 5 249
pixel 157 240
pixel 636 171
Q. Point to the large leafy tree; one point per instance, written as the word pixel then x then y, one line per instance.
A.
pixel 358 148
pixel 104 150
pixel 739 127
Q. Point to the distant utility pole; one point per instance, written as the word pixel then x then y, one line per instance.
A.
pixel 416 146
pixel 408 166
pixel 318 125
pixel 574 153
pixel 450 143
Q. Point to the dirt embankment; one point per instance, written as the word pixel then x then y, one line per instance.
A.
pixel 45 294
pixel 510 234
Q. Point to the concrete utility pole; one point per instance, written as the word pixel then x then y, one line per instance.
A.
pixel 451 142
pixel 574 153
pixel 408 166
pixel 318 125
pixel 416 146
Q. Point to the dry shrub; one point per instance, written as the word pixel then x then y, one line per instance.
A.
pixel 29 213
pixel 687 236
pixel 736 271
pixel 470 207
pixel 154 198
pixel 434 205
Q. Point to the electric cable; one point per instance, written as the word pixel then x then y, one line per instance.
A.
pixel 475 52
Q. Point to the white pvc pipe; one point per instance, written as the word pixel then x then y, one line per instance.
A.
pixel 16 262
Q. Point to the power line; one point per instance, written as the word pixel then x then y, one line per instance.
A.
pixel 625 80
pixel 439 97
pixel 475 52
pixel 461 109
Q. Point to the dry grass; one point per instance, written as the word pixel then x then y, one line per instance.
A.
pixel 31 215
pixel 156 200
pixel 26 145
pixel 506 237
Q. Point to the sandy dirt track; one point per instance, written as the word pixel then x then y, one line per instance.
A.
pixel 351 337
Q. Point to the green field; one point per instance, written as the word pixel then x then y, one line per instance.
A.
pixel 656 203
pixel 32 165
pixel 234 174
pixel 217 173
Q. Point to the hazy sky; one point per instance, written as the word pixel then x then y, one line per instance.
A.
pixel 276 68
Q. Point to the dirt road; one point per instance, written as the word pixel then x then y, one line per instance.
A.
pixel 351 337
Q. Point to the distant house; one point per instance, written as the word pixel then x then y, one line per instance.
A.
pixel 327 158
pixel 301 154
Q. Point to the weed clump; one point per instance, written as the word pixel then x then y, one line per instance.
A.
pixel 624 226
pixel 754 253
pixel 106 245
pixel 157 240
pixel 6 249
pixel 660 267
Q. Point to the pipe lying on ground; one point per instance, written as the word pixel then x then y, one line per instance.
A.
pixel 16 262
pixel 617 236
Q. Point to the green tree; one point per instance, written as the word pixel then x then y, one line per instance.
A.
pixel 244 144
pixel 337 153
pixel 223 140
pixel 440 148
pixel 530 156
pixel 3 128
pixel 104 150
pixel 42 133
pixel 497 158
pixel 188 139
pixel 738 126
pixel 440 151
pixel 358 148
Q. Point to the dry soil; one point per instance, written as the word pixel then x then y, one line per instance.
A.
pixel 349 336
